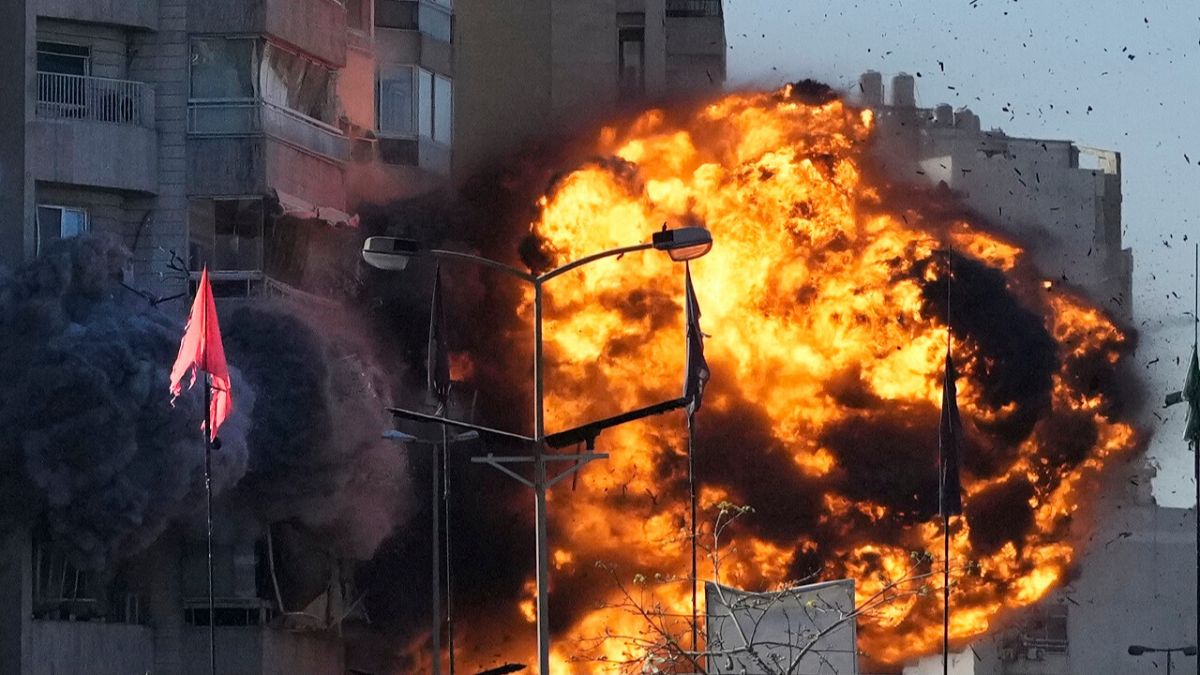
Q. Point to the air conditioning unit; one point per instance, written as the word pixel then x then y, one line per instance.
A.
pixel 1008 655
pixel 1035 654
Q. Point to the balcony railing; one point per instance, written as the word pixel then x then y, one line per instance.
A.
pixel 693 8
pixel 97 99
pixel 252 117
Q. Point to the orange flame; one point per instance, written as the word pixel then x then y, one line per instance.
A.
pixel 814 279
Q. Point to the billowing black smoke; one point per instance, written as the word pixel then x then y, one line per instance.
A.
pixel 95 455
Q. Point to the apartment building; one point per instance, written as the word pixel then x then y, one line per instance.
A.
pixel 233 134
pixel 222 132
pixel 1062 199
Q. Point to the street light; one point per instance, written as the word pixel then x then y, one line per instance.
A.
pixel 404 437
pixel 392 253
pixel 1138 650
pixel 684 243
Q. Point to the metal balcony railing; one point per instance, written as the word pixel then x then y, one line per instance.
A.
pixel 98 99
pixel 694 8
pixel 244 117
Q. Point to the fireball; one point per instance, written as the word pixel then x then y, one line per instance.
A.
pixel 830 298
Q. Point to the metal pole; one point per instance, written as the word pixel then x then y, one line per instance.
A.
pixel 946 596
pixel 212 618
pixel 1194 444
pixel 691 418
pixel 942 493
pixel 1169 653
pixel 449 587
pixel 437 568
pixel 541 542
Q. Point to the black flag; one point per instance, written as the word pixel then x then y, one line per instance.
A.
pixel 949 438
pixel 438 366
pixel 1191 394
pixel 697 366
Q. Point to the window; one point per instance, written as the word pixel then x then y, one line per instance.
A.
pixel 62 58
pixel 59 222
pixel 226 234
pixel 443 109
pixel 290 81
pixel 223 68
pixel 396 101
pixel 631 56
pixel 436 22
pixel 400 14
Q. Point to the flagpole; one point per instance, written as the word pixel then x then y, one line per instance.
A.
pixel 437 568
pixel 449 586
pixel 1195 444
pixel 212 620
pixel 691 425
pixel 944 507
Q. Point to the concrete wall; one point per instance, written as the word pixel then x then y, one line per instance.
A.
pixel 503 90
pixel 695 53
pixel 315 27
pixel 132 13
pixel 1036 190
pixel 94 154
pixel 17 30
pixel 584 53
pixel 15 601
pixel 58 647
pixel 287 653
pixel 161 60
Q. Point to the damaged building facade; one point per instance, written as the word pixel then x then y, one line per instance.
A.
pixel 236 134
pixel 193 129
pixel 1135 582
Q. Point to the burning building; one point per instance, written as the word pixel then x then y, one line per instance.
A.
pixel 1065 199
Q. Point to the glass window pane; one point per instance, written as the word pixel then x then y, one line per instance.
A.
pixel 200 233
pixel 425 103
pixel 223 68
pixel 58 57
pixel 396 102
pixel 74 223
pixel 443 110
pixel 238 228
pixel 434 22
pixel 49 223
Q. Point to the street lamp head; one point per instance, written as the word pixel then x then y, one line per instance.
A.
pixel 399 436
pixel 1137 650
pixel 684 243
pixel 389 253
pixel 1189 650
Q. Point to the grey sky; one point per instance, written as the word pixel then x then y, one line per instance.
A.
pixel 1033 68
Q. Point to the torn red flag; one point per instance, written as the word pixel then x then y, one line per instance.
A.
pixel 201 350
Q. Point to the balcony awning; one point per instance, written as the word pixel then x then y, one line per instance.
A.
pixel 299 208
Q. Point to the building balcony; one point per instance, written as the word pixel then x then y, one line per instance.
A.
pixel 262 118
pixel 94 131
pixel 315 27
pixel 253 147
pixel 132 13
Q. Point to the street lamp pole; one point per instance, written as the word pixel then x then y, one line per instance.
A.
pixel 687 243
pixel 1138 650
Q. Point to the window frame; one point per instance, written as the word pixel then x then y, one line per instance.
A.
pixel 214 269
pixel 87 59
pixel 414 99
pixel 62 208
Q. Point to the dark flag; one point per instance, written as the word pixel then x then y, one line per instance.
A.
pixel 438 366
pixel 697 367
pixel 949 438
pixel 1191 393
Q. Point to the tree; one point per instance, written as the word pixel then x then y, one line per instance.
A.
pixel 659 643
